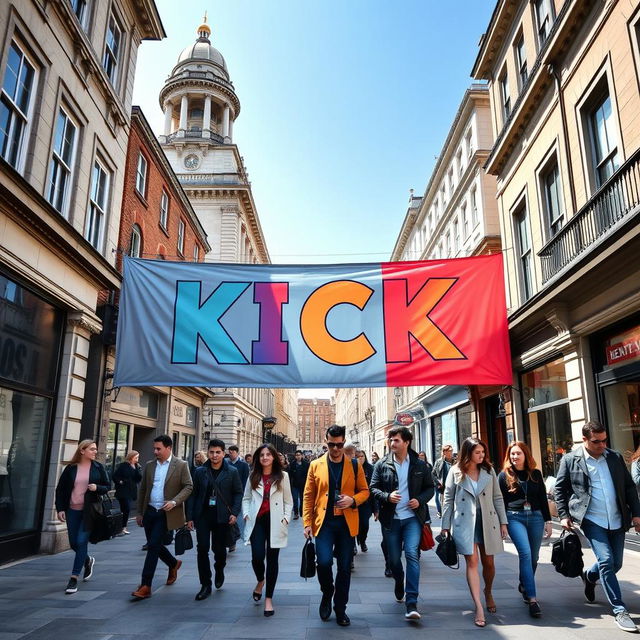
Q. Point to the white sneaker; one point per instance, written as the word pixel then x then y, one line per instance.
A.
pixel 624 622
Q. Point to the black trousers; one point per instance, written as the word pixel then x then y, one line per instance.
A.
pixel 364 515
pixel 155 528
pixel 125 507
pixel 261 548
pixel 211 534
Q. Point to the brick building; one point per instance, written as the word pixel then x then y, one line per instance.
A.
pixel 157 222
pixel 315 416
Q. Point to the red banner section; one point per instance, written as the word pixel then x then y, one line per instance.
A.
pixel 445 322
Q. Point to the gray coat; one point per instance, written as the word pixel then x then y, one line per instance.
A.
pixel 459 510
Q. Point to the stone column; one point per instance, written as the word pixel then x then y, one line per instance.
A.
pixel 230 130
pixel 168 117
pixel 206 118
pixel 225 122
pixel 184 108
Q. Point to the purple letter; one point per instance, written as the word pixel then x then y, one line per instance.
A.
pixel 270 348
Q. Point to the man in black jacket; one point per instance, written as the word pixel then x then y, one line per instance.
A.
pixel 214 507
pixel 403 484
pixel 298 475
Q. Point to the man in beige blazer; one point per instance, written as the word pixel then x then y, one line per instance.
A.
pixel 166 484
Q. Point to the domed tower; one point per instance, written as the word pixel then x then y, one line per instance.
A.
pixel 198 98
pixel 200 106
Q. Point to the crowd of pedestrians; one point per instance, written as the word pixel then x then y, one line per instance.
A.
pixel 224 497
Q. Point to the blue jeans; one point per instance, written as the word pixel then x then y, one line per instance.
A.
pixel 78 539
pixel 525 530
pixel 608 547
pixel 296 492
pixel 334 537
pixel 405 533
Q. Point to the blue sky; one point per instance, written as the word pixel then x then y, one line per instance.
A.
pixel 345 106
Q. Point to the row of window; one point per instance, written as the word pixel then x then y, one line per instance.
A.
pixel 544 17
pixel 600 135
pixel 17 100
pixel 113 46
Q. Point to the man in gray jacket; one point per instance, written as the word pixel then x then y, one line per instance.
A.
pixel 594 489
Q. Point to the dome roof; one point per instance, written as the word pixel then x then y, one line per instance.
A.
pixel 202 50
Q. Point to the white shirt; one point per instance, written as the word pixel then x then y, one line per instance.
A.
pixel 403 511
pixel 156 499
pixel 603 506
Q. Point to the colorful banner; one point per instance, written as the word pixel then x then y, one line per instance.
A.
pixel 287 326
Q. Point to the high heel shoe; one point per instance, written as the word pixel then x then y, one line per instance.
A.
pixel 256 596
pixel 491 605
pixel 268 614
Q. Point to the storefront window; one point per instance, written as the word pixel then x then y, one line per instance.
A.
pixel 623 416
pixel 186 451
pixel 24 420
pixel 192 416
pixel 30 334
pixel 117 446
pixel 451 427
pixel 551 437
pixel 545 384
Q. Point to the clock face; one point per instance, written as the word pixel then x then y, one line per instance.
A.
pixel 192 161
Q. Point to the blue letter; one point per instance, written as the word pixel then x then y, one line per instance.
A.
pixel 193 320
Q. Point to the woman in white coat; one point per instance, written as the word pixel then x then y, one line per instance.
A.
pixel 473 511
pixel 266 508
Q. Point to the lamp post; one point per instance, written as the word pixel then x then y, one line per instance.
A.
pixel 268 422
pixel 209 424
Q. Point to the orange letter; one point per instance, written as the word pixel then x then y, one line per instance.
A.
pixel 406 318
pixel 313 323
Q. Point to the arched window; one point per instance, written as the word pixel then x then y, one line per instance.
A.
pixel 135 246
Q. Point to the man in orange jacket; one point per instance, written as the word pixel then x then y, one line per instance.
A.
pixel 334 490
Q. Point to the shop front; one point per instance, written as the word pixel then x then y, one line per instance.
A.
pixel 616 358
pixel 31 337
pixel 547 418
pixel 183 426
pixel 450 418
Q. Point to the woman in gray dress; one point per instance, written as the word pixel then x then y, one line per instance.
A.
pixel 473 511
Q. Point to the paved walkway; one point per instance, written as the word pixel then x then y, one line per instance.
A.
pixel 33 604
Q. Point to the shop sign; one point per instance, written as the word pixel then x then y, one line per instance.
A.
pixel 404 419
pixel 624 347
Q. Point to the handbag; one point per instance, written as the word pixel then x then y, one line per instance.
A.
pixel 183 540
pixel 566 555
pixel 446 551
pixel 105 518
pixel 426 538
pixel 308 564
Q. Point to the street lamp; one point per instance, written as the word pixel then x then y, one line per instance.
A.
pixel 268 422
pixel 208 425
pixel 397 394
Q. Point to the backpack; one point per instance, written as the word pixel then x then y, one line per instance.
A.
pixel 566 555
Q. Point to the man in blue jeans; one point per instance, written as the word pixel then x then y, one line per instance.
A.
pixel 403 485
pixel 595 490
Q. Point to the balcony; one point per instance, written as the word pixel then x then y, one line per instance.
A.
pixel 195 133
pixel 618 199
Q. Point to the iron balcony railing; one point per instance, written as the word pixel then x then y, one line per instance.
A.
pixel 195 133
pixel 616 199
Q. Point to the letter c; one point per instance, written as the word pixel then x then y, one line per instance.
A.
pixel 313 323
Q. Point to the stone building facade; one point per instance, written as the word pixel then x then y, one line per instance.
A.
pixel 67 73
pixel 564 85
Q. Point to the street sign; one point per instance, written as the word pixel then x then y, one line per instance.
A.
pixel 404 419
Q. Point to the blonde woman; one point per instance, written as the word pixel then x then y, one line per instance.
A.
pixel 80 482
pixel 473 510
pixel 266 508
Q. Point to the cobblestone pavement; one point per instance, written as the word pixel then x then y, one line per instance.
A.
pixel 33 604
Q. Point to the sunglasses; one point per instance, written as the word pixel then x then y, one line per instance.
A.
pixel 602 441
pixel 339 445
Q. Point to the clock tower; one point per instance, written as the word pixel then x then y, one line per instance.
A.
pixel 200 108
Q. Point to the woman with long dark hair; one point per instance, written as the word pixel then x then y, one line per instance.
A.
pixel 126 478
pixel 266 508
pixel 81 481
pixel 528 515
pixel 473 511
